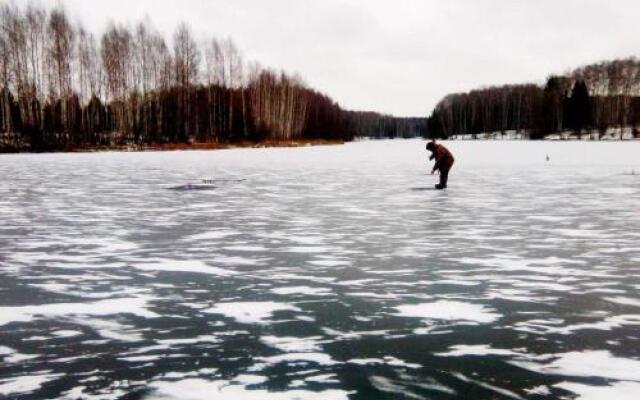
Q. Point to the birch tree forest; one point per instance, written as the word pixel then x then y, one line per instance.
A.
pixel 593 99
pixel 63 87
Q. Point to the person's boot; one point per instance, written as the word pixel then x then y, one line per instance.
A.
pixel 439 186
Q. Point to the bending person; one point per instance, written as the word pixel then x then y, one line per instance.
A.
pixel 444 162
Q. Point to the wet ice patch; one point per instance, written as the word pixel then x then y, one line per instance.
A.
pixel 250 312
pixel 450 311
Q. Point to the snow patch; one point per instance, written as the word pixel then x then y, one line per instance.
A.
pixel 616 390
pixel 592 363
pixel 304 290
pixel 449 310
pixel 194 266
pixel 197 389
pixel 250 312
pixel 135 305
pixel 25 384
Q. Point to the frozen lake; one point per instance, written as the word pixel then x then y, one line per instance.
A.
pixel 322 273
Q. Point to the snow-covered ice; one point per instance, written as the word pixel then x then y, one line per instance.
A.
pixel 322 273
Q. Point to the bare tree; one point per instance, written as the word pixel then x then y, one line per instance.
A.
pixel 60 51
pixel 186 58
pixel 36 35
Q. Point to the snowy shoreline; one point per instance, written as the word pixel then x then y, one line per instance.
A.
pixel 611 134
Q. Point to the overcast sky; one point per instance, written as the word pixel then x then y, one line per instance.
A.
pixel 396 56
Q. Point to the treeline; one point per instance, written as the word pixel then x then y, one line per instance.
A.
pixel 61 86
pixel 591 99
pixel 380 126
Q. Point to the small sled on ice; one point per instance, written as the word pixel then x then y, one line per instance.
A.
pixel 193 186
pixel 205 184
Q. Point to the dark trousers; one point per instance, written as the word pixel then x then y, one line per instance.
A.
pixel 445 167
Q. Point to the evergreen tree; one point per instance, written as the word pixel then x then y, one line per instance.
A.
pixel 553 105
pixel 580 107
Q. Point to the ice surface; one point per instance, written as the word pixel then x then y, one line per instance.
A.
pixel 322 272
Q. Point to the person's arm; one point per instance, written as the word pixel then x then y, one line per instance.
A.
pixel 436 166
pixel 433 155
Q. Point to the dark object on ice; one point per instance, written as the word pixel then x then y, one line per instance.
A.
pixel 192 186
pixel 444 162
pixel 548 159
pixel 212 181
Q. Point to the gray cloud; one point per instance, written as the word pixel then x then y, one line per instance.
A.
pixel 397 56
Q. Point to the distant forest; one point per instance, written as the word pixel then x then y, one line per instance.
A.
pixel 592 100
pixel 61 87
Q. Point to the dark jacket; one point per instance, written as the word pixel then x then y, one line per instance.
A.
pixel 444 158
